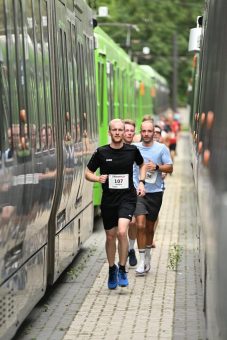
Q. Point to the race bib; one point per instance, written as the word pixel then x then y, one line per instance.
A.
pixel 118 181
pixel 151 176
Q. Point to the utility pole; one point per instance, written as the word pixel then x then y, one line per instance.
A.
pixel 129 28
pixel 175 72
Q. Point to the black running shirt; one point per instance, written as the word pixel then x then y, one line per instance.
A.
pixel 115 162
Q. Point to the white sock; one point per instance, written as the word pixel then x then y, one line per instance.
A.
pixel 131 244
pixel 142 254
pixel 148 251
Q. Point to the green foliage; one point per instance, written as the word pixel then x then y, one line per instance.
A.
pixel 158 21
pixel 175 254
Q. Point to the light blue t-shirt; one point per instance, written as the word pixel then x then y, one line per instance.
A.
pixel 158 153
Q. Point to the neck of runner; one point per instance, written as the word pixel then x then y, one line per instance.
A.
pixel 148 144
pixel 116 145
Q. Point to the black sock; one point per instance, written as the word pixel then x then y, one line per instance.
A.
pixel 112 267
pixel 122 267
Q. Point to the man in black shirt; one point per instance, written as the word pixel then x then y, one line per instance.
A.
pixel 115 162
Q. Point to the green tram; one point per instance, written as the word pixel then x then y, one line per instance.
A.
pixel 124 90
pixel 51 123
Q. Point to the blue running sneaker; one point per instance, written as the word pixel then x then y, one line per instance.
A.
pixel 122 278
pixel 113 274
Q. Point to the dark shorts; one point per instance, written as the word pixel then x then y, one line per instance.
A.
pixel 111 214
pixel 149 205
pixel 172 147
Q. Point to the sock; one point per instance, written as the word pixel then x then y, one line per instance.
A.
pixel 131 244
pixel 122 268
pixel 111 267
pixel 142 254
pixel 148 250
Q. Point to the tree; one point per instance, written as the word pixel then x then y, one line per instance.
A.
pixel 158 21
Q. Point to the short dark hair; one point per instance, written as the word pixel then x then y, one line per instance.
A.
pixel 159 127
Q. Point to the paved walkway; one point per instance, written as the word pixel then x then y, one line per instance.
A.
pixel 165 304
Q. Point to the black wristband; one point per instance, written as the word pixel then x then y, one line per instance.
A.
pixel 157 167
pixel 142 180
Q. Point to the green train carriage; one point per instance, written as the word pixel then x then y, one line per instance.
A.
pixel 160 90
pixel 112 69
pixel 124 90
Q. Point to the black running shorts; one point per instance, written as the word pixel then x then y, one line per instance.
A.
pixel 149 205
pixel 111 214
pixel 172 147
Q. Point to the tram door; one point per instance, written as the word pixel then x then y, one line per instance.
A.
pixel 61 238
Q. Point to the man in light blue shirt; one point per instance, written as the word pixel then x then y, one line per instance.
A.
pixel 158 160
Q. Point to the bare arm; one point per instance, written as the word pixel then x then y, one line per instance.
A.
pixel 141 189
pixel 92 177
pixel 143 170
pixel 167 168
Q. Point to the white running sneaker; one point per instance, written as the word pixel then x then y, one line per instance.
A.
pixel 147 264
pixel 140 270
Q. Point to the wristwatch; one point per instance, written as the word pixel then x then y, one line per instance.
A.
pixel 157 167
pixel 142 180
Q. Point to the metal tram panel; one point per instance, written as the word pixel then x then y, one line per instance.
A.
pixel 70 230
pixel 43 152
pixel 209 123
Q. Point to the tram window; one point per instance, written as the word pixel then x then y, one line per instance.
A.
pixel 87 125
pixel 91 118
pixel 31 84
pixel 61 74
pixel 123 89
pixel 131 106
pixel 91 89
pixel 39 68
pixel 20 58
pixel 11 63
pixel 67 112
pixel 47 75
pixel 75 113
pixel 129 88
pixel 11 75
pixel 110 89
pixel 84 106
pixel 120 94
pixel 136 97
pixel 94 103
pixel 5 130
pixel 130 94
pixel 115 89
pixel 22 54
pixel 101 90
pixel 79 82
pixel 71 75
pixel 126 89
pixel 6 147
